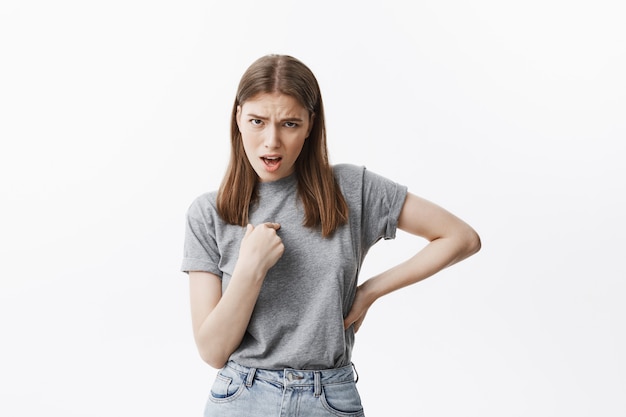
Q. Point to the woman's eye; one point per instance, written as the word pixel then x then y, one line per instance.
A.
pixel 256 122
pixel 290 124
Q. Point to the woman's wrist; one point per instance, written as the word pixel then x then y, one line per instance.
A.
pixel 250 271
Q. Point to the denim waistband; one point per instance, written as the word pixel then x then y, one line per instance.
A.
pixel 296 377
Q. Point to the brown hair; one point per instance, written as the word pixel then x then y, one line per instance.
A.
pixel 321 197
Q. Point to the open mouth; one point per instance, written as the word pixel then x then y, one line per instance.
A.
pixel 271 161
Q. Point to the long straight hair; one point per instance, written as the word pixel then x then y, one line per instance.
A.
pixel 324 205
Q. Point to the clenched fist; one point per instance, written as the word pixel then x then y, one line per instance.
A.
pixel 261 247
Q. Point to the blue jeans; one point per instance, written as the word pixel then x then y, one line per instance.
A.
pixel 239 391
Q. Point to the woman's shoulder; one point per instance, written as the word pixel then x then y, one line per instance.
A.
pixel 205 202
pixel 354 177
pixel 349 178
pixel 348 171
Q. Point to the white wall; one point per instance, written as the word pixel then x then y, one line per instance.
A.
pixel 114 116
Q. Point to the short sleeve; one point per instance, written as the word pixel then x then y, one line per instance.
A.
pixel 200 247
pixel 382 202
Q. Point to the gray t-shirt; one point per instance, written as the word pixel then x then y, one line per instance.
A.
pixel 298 318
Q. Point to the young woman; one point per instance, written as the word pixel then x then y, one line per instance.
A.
pixel 274 255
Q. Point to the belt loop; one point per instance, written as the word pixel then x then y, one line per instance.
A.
pixel 355 372
pixel 250 377
pixel 318 383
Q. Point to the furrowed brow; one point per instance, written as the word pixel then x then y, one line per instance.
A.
pixel 295 119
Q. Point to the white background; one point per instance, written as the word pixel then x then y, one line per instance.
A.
pixel 114 116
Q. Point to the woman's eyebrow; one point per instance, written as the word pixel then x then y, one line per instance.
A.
pixel 285 119
pixel 292 119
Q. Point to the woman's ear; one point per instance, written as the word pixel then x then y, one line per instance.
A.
pixel 238 117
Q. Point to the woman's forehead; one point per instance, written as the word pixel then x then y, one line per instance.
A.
pixel 274 103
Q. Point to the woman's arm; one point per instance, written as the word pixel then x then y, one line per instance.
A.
pixel 220 320
pixel 451 240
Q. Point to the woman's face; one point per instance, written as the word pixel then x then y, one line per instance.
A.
pixel 273 128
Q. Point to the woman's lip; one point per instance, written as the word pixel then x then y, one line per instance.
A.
pixel 265 158
pixel 271 164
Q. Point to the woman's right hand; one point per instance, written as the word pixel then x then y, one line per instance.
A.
pixel 261 247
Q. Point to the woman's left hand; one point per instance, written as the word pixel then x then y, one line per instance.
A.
pixel 359 308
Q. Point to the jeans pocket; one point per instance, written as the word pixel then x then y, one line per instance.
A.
pixel 227 386
pixel 342 399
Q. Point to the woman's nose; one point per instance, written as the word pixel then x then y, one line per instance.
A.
pixel 272 139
